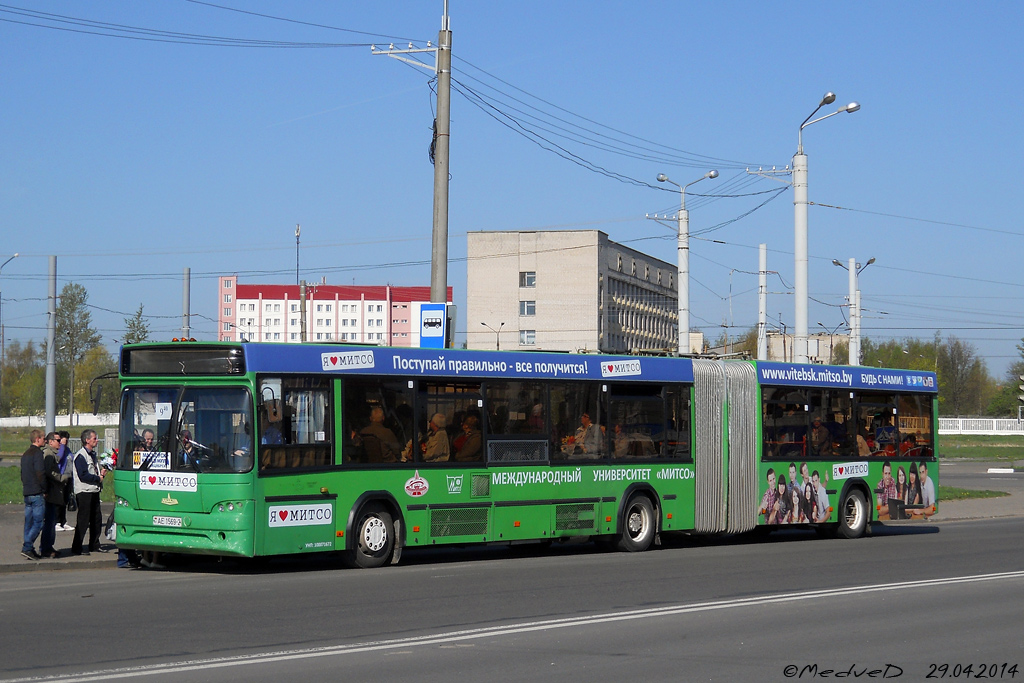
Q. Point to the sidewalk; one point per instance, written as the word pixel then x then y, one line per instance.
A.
pixel 960 473
pixel 12 529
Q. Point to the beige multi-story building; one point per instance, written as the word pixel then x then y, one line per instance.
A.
pixel 383 315
pixel 568 290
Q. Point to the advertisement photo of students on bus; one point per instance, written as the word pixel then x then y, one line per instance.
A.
pixel 906 493
pixel 797 499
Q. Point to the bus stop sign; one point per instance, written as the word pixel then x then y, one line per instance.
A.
pixel 433 326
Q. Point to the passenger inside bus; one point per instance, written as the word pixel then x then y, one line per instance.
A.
pixel 468 444
pixel 379 443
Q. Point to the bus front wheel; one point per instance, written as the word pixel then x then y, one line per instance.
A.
pixel 375 538
pixel 638 525
pixel 853 515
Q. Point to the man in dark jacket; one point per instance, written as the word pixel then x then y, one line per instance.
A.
pixel 33 487
pixel 54 494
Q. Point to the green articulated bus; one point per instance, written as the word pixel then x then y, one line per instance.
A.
pixel 269 449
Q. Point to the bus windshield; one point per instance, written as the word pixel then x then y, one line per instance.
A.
pixel 190 429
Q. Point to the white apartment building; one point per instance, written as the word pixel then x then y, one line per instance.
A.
pixel 382 315
pixel 568 290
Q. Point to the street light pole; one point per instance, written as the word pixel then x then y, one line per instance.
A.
pixel 855 269
pixel 800 226
pixel 683 259
pixel 831 337
pixel 497 335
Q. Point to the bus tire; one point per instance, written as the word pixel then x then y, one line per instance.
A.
pixel 853 515
pixel 638 525
pixel 375 537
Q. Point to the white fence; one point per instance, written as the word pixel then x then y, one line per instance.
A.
pixel 62 421
pixel 980 425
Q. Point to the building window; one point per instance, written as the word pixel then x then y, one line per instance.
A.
pixel 328 308
pixel 277 321
pixel 227 327
pixel 227 284
pixel 527 337
pixel 369 309
pixel 277 336
pixel 659 276
pixel 380 307
pixel 353 322
pixel 277 308
pixel 344 323
pixel 252 307
pixel 294 336
pixel 619 266
pixel 227 298
pixel 227 312
pixel 344 336
pixel 319 308
pixel 293 321
pixel 647 273
pixel 527 278
pixel 295 308
pixel 632 270
pixel 267 308
pixel 527 308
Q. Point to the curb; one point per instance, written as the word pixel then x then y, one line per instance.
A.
pixel 56 566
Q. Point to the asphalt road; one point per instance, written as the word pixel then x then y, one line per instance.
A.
pixel 730 609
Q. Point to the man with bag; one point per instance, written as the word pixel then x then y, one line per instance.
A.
pixel 88 483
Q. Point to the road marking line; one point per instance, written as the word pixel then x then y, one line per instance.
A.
pixel 451 637
pixel 1000 470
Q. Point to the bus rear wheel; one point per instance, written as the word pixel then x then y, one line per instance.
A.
pixel 853 515
pixel 375 538
pixel 637 532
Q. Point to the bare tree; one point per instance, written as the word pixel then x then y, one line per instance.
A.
pixel 963 375
pixel 75 334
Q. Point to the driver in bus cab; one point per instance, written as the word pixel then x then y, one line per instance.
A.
pixel 189 456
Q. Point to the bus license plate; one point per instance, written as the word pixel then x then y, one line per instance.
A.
pixel 167 521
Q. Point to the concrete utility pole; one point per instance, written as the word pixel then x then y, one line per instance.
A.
pixel 683 259
pixel 442 135
pixel 298 231
pixel 800 226
pixel 442 128
pixel 302 311
pixel 186 300
pixel 51 349
pixel 855 269
pixel 762 302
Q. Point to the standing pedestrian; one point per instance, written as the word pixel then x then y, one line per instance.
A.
pixel 88 484
pixel 64 460
pixel 54 495
pixel 33 486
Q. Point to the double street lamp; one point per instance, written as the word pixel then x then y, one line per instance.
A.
pixel 683 259
pixel 800 225
pixel 831 338
pixel 497 335
pixel 855 269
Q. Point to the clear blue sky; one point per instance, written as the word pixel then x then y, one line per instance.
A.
pixel 133 159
